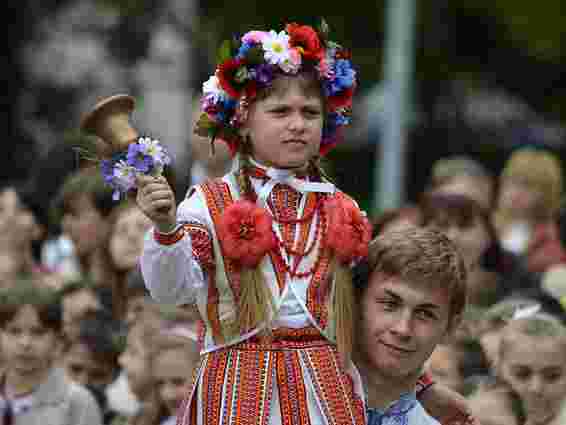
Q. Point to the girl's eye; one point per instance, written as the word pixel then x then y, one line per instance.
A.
pixel 388 305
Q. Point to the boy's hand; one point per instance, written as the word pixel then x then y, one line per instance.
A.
pixel 157 201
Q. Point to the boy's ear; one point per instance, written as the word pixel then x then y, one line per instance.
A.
pixel 452 327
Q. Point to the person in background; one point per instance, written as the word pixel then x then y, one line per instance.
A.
pixel 135 362
pixel 83 205
pixel 20 234
pixel 33 388
pixel 532 361
pixel 80 298
pixel 172 359
pixel 128 226
pixel 410 294
pixel 462 175
pixel 92 358
pixel 526 215
pixel 492 272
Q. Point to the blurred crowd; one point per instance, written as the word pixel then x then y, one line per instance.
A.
pixel 135 357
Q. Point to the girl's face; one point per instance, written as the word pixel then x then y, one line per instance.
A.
pixel 535 367
pixel 517 195
pixel 84 225
pixel 126 239
pixel 28 347
pixel 172 371
pixel 134 361
pixel 285 128
pixel 471 236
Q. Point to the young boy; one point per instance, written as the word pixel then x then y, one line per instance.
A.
pixel 33 390
pixel 411 294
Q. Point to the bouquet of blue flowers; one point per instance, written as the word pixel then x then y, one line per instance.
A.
pixel 145 156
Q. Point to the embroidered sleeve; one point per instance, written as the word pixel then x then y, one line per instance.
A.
pixel 174 264
pixel 201 245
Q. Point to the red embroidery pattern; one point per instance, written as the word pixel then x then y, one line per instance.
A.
pixel 169 238
pixel 334 387
pixel 217 195
pixel 212 388
pixel 310 205
pixel 254 370
pixel 201 244
pixel 292 392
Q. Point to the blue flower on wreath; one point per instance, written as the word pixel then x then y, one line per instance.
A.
pixel 344 76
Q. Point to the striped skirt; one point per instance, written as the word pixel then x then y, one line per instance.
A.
pixel 292 377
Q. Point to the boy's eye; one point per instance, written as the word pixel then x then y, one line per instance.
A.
pixel 426 315
pixel 522 374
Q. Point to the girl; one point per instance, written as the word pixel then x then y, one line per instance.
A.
pixel 265 251
pixel 532 359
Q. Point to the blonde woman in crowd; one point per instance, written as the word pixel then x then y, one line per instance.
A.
pixel 527 207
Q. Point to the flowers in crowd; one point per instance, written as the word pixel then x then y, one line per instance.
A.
pixel 252 62
pixel 245 233
pixel 349 230
pixel 145 156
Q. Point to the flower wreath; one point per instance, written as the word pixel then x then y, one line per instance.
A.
pixel 251 62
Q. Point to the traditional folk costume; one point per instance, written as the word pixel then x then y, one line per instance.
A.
pixel 291 375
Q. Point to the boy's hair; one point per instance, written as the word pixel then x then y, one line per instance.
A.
pixel 418 255
pixel 44 300
pixel 104 336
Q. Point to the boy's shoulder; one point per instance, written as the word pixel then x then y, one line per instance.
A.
pixel 419 416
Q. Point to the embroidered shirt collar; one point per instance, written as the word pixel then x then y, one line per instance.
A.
pixel 288 177
pixel 396 414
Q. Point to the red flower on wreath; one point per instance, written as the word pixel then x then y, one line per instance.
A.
pixel 341 100
pixel 226 74
pixel 245 232
pixel 349 231
pixel 306 39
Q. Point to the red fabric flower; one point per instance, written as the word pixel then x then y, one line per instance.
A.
pixel 341 100
pixel 245 232
pixel 226 74
pixel 306 39
pixel 349 231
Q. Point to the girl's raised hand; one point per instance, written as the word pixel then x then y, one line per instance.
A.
pixel 157 201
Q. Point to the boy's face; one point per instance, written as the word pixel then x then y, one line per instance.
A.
pixel 28 347
pixel 285 128
pixel 172 370
pixel 83 368
pixel 401 325
pixel 126 240
pixel 84 225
